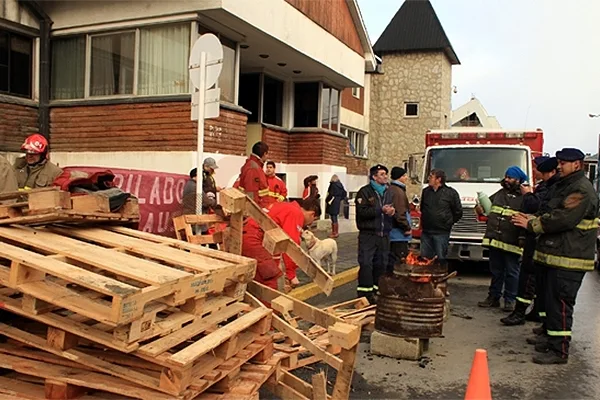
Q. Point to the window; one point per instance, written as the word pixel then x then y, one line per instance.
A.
pixel 357 141
pixel 356 92
pixel 411 110
pixel 330 108
pixel 273 101
pixel 249 95
pixel 144 61
pixel 15 64
pixel 227 78
pixel 306 104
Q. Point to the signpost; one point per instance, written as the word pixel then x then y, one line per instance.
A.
pixel 206 63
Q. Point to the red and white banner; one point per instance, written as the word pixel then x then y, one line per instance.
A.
pixel 159 195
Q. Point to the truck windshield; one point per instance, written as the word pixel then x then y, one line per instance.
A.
pixel 476 164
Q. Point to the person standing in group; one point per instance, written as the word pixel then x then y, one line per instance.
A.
pixel 531 275
pixel 277 189
pixel 252 179
pixel 566 247
pixel 34 170
pixel 504 240
pixel 336 193
pixel 310 187
pixel 400 234
pixel 440 210
pixel 374 211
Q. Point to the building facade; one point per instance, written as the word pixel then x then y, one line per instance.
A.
pixel 108 83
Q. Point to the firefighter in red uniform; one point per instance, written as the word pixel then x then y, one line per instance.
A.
pixel 277 188
pixel 252 179
pixel 292 217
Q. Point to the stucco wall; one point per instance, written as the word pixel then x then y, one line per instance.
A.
pixel 424 78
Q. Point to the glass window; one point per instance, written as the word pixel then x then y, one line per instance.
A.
pixel 15 64
pixel 112 64
pixel 306 104
pixel 411 109
pixel 68 68
pixel 163 63
pixel 357 141
pixel 227 77
pixel 330 102
pixel 249 95
pixel 273 101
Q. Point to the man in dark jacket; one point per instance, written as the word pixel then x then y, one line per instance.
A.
pixel 440 210
pixel 400 234
pixel 530 274
pixel 374 213
pixel 566 247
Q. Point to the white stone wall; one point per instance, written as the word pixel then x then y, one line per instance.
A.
pixel 424 78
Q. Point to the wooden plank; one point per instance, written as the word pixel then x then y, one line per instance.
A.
pixel 212 340
pixel 341 389
pixel 344 335
pixel 202 219
pixel 165 343
pixel 26 193
pixel 49 200
pixel 276 241
pixel 297 384
pixel 90 203
pixel 319 386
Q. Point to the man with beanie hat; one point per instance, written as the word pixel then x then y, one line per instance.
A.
pixel 504 240
pixel 400 234
pixel 566 247
pixel 531 276
pixel 374 211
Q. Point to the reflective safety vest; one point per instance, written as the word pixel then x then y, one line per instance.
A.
pixel 500 232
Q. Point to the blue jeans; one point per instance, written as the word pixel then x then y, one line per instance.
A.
pixel 334 218
pixel 435 245
pixel 505 268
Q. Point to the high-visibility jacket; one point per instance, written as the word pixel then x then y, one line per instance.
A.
pixel 253 181
pixel 277 190
pixel 500 232
pixel 290 218
pixel 568 227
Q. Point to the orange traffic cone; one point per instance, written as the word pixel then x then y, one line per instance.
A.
pixel 478 387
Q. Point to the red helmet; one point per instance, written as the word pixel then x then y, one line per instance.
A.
pixel 35 144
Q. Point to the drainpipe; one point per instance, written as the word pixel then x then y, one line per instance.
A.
pixel 45 54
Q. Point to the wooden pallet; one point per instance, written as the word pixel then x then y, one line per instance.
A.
pixel 110 277
pixel 182 360
pixel 50 205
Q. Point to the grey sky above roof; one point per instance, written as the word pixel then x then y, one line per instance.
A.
pixel 415 27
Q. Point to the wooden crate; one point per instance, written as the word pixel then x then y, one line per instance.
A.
pixel 110 277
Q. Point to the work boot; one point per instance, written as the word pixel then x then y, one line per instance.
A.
pixel 542 347
pixel 335 230
pixel 537 339
pixel 371 298
pixel 515 318
pixel 509 306
pixel 550 357
pixel 489 302
pixel 533 317
pixel 540 330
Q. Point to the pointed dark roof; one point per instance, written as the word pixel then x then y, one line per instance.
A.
pixel 415 27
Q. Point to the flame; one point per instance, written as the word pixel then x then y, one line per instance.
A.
pixel 414 259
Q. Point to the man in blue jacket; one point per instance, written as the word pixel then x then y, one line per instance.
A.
pixel 400 234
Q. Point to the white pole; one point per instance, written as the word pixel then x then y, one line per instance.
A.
pixel 200 149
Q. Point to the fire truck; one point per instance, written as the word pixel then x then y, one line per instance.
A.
pixel 475 160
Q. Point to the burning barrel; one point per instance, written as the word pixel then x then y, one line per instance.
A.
pixel 411 299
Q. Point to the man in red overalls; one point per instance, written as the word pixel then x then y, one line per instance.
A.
pixel 252 179
pixel 277 188
pixel 292 218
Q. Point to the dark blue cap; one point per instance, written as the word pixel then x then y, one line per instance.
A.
pixel 374 169
pixel 547 165
pixel 570 154
pixel 540 159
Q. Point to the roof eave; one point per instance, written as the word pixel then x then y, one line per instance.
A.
pixel 369 54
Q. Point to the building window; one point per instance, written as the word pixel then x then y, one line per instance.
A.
pixel 306 104
pixel 15 64
pixel 356 92
pixel 249 96
pixel 357 141
pixel 143 61
pixel 411 110
pixel 227 78
pixel 272 101
pixel 330 108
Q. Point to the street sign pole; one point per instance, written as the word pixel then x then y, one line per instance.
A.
pixel 200 144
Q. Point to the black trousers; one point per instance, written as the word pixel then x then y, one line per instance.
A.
pixel 526 289
pixel 373 252
pixel 541 272
pixel 561 290
pixel 398 251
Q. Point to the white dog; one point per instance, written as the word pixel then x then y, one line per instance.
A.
pixel 323 251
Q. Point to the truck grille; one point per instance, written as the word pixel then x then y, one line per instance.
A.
pixel 468 226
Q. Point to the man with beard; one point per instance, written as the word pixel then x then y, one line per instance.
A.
pixel 502 237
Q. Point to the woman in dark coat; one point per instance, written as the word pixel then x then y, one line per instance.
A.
pixel 335 194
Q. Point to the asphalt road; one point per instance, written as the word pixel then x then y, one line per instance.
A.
pixel 444 371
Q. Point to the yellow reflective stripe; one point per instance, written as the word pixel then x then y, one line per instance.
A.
pixel 536 225
pixel 263 192
pixel 564 262
pixel 375 287
pixel 559 333
pixel 502 246
pixel 587 224
pixel 542 313
pixel 277 196
pixel 364 289
pixel 522 300
pixel 503 211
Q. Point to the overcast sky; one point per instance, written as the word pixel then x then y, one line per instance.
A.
pixel 532 63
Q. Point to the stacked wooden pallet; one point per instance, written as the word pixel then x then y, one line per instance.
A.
pixel 51 205
pixel 120 311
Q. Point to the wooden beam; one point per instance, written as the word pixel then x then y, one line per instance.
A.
pixel 310 290
pixel 319 386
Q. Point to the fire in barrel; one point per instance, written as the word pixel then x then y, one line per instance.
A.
pixel 412 298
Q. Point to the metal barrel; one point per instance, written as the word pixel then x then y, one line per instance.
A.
pixel 404 317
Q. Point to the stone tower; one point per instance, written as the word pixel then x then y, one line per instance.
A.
pixel 412 94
